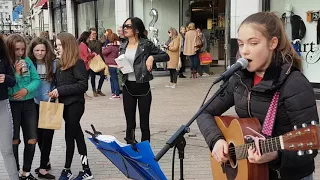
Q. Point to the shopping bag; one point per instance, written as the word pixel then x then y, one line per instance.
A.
pixel 96 64
pixel 50 115
pixel 205 58
pixel 179 64
pixel 106 71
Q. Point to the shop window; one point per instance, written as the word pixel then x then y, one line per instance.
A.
pixel 86 17
pixel 57 22
pixel 106 16
pixel 168 16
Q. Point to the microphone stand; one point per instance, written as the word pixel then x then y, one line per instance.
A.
pixel 178 140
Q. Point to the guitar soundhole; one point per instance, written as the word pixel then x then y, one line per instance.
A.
pixel 232 155
pixel 231 168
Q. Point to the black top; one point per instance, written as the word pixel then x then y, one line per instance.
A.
pixel 296 106
pixel 145 49
pixel 72 83
pixel 10 81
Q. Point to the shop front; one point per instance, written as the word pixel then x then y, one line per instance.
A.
pixel 59 16
pixel 302 23
pixel 208 15
pixel 99 14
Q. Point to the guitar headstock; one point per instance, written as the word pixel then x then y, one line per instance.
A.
pixel 306 138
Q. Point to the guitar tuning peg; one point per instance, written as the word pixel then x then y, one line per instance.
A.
pixel 300 153
pixel 304 125
pixel 313 122
pixel 295 127
pixel 310 151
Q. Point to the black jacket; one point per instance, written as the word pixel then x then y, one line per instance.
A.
pixel 296 106
pixel 298 26
pixel 145 49
pixel 72 83
pixel 9 81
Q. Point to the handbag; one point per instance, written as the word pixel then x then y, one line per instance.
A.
pixel 271 115
pixel 198 42
pixel 96 64
pixel 205 58
pixel 50 114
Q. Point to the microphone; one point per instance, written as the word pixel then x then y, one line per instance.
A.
pixel 240 64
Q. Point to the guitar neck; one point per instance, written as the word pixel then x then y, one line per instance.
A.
pixel 267 146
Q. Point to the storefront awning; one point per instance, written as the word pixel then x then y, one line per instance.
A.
pixel 43 4
pixel 83 1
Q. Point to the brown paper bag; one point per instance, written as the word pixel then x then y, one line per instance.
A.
pixel 50 115
pixel 106 71
pixel 96 64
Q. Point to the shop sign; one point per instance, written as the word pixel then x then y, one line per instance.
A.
pixel 312 51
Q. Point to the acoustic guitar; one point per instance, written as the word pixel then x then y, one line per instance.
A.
pixel 238 133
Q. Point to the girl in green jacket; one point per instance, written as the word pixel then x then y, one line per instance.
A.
pixel 22 104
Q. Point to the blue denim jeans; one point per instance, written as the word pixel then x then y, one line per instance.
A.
pixel 194 61
pixel 114 82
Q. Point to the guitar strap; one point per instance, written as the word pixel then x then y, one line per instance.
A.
pixel 271 115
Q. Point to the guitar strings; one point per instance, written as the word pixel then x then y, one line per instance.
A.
pixel 243 149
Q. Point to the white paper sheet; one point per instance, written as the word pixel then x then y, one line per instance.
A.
pixel 124 63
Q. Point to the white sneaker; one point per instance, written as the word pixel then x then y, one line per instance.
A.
pixel 174 86
pixel 168 85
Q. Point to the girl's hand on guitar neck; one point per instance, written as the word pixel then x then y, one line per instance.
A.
pixel 254 157
pixel 219 151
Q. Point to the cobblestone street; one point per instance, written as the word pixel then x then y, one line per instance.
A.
pixel 170 109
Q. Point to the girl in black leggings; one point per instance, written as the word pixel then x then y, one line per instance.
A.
pixel 41 53
pixel 72 83
pixel 141 53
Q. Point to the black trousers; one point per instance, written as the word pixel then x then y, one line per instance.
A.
pixel 72 115
pixel 93 79
pixel 183 63
pixel 45 137
pixel 134 93
pixel 25 116
pixel 173 75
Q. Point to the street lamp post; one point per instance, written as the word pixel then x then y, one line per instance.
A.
pixel 9 22
pixel 2 24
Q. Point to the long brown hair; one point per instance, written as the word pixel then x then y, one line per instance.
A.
pixel 70 54
pixel 49 57
pixel 174 33
pixel 11 42
pixel 113 38
pixel 110 32
pixel 4 55
pixel 270 25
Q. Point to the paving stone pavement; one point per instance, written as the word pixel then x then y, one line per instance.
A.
pixel 170 109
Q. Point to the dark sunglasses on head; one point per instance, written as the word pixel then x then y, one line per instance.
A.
pixel 128 26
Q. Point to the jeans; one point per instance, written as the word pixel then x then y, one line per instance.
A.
pixel 93 79
pixel 194 61
pixel 6 140
pixel 73 133
pixel 203 69
pixel 45 137
pixel 173 75
pixel 114 81
pixel 24 114
pixel 183 63
pixel 134 93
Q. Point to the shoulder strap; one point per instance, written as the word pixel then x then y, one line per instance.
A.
pixel 271 115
